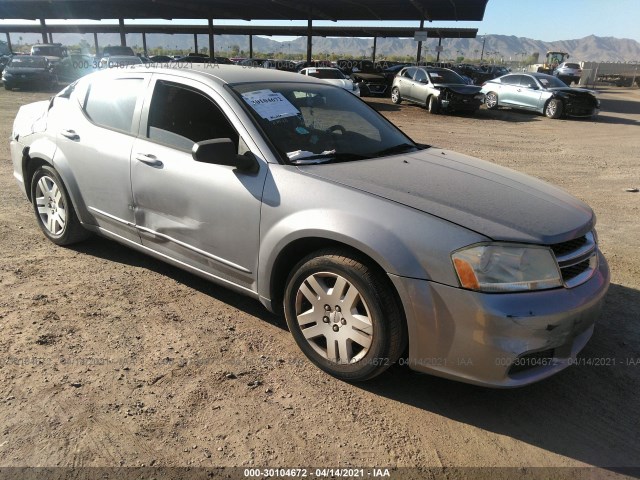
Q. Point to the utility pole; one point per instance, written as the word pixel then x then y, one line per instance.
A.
pixel 484 39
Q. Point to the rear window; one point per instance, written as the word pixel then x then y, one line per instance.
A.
pixel 111 103
pixel 572 65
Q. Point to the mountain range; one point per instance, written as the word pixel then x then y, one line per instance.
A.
pixel 508 48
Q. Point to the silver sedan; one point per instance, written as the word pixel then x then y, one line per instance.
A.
pixel 540 93
pixel 438 89
pixel 298 194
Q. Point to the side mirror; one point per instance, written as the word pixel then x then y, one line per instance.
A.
pixel 423 80
pixel 222 151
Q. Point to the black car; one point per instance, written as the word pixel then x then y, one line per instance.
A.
pixel 368 76
pixel 28 71
pixel 73 67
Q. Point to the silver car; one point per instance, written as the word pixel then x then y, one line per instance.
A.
pixel 295 192
pixel 568 72
pixel 540 93
pixel 438 89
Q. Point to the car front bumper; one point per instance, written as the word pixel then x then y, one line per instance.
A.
pixel 499 340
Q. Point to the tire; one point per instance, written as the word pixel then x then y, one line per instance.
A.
pixel 491 100
pixel 554 108
pixel 433 105
pixel 395 96
pixel 7 87
pixel 353 333
pixel 54 211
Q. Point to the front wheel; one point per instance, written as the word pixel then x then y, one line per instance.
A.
pixel 554 108
pixel 343 317
pixel 491 100
pixel 434 105
pixel 54 212
pixel 395 96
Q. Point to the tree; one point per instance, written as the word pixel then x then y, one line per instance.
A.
pixel 235 50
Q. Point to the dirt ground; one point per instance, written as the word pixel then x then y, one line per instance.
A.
pixel 111 358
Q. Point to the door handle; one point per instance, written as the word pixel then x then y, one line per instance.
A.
pixel 149 159
pixel 70 134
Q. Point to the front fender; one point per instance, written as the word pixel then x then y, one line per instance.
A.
pixel 403 241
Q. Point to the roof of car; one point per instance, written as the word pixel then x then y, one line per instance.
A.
pixel 226 74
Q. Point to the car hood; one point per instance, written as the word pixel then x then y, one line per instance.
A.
pixel 491 200
pixel 369 76
pixel 461 89
pixel 346 84
pixel 572 91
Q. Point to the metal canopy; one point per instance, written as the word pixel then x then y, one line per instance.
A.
pixel 390 32
pixel 381 10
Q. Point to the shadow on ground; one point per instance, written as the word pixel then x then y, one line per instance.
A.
pixel 588 412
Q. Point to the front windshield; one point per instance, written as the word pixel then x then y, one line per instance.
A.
pixel 551 82
pixel 28 62
pixel 314 123
pixel 326 73
pixel 444 76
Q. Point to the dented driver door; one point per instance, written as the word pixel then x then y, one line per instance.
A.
pixel 202 215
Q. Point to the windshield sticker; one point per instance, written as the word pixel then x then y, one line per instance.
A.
pixel 544 81
pixel 270 105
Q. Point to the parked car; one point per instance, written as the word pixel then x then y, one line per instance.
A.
pixel 54 52
pixel 333 76
pixel 28 71
pixel 118 50
pixel 119 61
pixel 438 89
pixel 367 76
pixel 161 59
pixel 298 194
pixel 568 72
pixel 540 93
pixel 488 72
pixel 73 67
pixel 255 62
pixel 313 63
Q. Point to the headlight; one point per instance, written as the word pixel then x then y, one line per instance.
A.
pixel 500 267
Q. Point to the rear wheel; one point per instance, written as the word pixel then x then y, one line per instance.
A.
pixel 433 105
pixel 491 100
pixel 395 96
pixel 554 108
pixel 342 315
pixel 54 212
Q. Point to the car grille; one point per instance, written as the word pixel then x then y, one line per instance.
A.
pixel 577 259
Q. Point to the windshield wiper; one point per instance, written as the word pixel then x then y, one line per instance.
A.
pixel 328 158
pixel 401 147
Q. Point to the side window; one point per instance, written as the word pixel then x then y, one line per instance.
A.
pixel 527 81
pixel 409 72
pixel 110 103
pixel 512 79
pixel 180 117
pixel 420 75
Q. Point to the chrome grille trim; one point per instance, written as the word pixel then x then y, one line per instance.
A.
pixel 577 259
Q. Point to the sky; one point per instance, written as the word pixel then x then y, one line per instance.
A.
pixel 546 20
